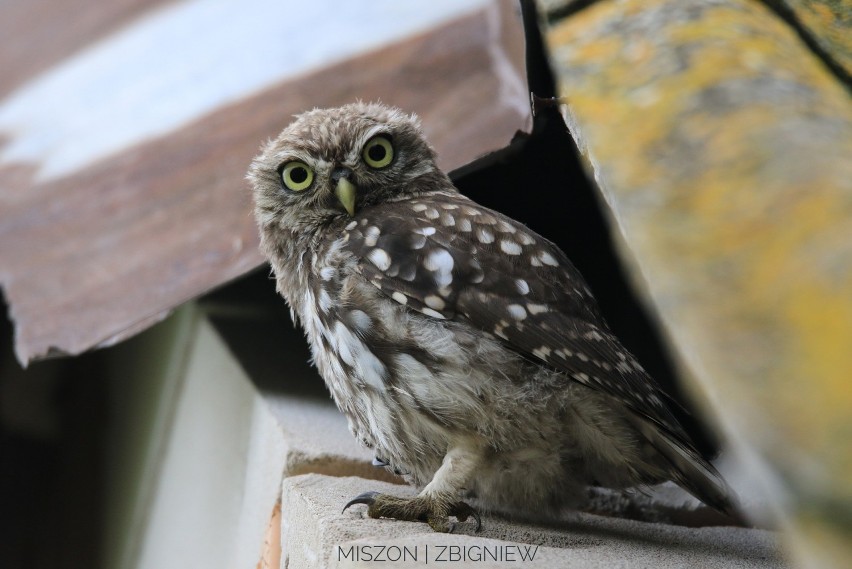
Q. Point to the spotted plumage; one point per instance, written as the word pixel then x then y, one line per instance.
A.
pixel 461 346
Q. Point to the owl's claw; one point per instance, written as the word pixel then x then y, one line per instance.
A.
pixel 462 511
pixel 419 509
pixel 366 498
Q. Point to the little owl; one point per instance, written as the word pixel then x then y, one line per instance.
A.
pixel 465 349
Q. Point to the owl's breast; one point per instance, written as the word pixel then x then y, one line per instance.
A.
pixel 407 382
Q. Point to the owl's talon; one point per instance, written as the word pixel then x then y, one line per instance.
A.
pixel 367 498
pixel 419 509
pixel 462 511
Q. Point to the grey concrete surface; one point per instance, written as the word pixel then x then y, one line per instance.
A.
pixel 315 533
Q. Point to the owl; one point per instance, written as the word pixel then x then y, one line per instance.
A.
pixel 462 347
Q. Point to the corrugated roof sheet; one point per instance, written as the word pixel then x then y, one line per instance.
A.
pixel 96 247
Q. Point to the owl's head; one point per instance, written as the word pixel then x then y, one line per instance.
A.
pixel 330 163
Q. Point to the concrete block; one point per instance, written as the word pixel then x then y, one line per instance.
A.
pixel 316 534
pixel 317 440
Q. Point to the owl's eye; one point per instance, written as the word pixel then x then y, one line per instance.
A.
pixel 378 152
pixel 297 176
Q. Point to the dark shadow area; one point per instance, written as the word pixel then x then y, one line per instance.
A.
pixel 52 424
pixel 255 323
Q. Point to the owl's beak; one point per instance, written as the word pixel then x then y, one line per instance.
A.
pixel 345 192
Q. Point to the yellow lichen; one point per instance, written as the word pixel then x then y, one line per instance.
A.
pixel 723 143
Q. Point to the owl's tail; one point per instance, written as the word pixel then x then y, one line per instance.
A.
pixel 690 470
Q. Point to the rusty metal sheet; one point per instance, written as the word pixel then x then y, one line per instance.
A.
pixel 95 254
pixel 39 33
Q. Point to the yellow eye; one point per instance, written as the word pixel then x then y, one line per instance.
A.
pixel 378 152
pixel 297 176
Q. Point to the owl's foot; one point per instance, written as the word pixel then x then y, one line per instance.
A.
pixel 434 512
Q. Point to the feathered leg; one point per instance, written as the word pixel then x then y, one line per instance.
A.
pixel 438 500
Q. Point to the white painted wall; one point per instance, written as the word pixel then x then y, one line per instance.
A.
pixel 221 470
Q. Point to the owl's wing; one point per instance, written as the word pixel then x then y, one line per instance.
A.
pixel 450 258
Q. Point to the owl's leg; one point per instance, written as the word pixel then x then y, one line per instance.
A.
pixel 438 500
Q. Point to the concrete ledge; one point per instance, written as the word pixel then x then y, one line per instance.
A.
pixel 318 441
pixel 314 533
